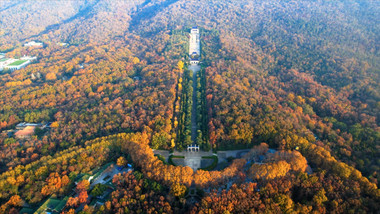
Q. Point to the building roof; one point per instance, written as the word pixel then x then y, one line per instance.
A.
pixel 29 130
pixel 24 124
pixel 33 43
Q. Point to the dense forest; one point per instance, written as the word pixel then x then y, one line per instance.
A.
pixel 301 77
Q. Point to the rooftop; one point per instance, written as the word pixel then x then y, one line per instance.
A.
pixel 25 124
pixel 29 130
pixel 33 43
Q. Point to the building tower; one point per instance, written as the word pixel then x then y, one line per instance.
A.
pixel 194 47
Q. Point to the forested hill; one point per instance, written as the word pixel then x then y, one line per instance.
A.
pixel 292 74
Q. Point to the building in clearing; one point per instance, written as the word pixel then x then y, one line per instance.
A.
pixel 23 125
pixel 62 44
pixel 34 44
pixel 25 133
pixel 194 47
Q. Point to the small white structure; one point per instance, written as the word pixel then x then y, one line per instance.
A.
pixel 31 58
pixel 23 125
pixel 34 44
pixel 62 44
pixel 194 47
pixel 193 148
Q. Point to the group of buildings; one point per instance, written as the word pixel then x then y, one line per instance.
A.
pixel 26 130
pixel 34 44
pixel 15 64
pixel 102 176
pixel 41 45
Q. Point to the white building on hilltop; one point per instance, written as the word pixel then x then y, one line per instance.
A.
pixel 34 44
pixel 194 47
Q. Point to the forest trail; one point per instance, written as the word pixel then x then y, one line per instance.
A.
pixel 194 69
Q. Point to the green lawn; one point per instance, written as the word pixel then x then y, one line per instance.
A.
pixel 3 59
pixel 214 163
pixel 174 156
pixel 18 62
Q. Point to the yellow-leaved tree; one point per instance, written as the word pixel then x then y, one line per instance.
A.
pixel 180 65
pixel 121 161
pixel 136 60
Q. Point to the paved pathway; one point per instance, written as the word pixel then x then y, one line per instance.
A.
pixel 163 153
pixel 193 159
pixel 223 155
pixel 194 69
pixel 110 172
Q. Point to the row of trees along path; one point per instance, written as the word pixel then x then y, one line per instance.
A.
pixel 194 69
